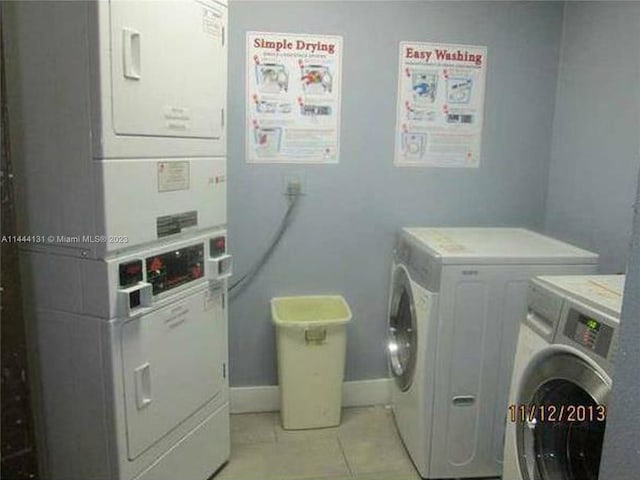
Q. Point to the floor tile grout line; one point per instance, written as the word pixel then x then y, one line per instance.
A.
pixel 344 455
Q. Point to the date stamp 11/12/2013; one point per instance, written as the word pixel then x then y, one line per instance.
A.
pixel 557 413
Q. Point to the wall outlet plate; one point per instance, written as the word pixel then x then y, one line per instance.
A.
pixel 293 184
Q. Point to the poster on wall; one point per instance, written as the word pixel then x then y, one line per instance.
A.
pixel 293 98
pixel 440 105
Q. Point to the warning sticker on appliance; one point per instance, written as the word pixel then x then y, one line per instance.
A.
pixel 173 176
pixel 293 98
pixel 440 105
pixel 447 244
pixel 211 24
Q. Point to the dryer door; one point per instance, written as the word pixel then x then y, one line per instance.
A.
pixel 173 365
pixel 168 69
pixel 402 341
pixel 561 418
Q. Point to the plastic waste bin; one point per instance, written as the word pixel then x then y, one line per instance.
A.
pixel 311 342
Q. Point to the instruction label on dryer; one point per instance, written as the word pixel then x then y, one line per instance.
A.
pixel 440 105
pixel 173 176
pixel 293 98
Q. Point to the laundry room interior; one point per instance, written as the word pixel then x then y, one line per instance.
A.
pixel 287 240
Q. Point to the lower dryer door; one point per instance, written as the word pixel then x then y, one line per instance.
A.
pixel 172 364
pixel 560 418
pixel 402 336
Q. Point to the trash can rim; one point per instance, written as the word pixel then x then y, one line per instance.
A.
pixel 310 323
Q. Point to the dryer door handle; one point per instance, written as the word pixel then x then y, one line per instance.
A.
pixel 131 53
pixel 464 400
pixel 142 376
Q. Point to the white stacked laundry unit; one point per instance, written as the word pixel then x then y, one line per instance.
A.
pixel 118 130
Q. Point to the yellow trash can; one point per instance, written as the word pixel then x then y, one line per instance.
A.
pixel 311 342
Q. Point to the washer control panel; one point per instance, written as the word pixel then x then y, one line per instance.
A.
pixel 589 332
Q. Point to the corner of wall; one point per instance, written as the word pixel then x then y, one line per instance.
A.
pixel 550 155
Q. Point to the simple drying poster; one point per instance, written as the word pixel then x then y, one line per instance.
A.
pixel 293 98
pixel 440 105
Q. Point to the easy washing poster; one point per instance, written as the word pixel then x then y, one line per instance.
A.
pixel 293 98
pixel 440 105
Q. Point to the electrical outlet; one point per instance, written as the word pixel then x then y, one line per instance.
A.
pixel 293 184
pixel 294 188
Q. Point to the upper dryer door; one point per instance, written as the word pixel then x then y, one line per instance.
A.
pixel 168 68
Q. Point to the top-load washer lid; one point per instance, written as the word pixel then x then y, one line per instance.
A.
pixel 602 292
pixel 495 246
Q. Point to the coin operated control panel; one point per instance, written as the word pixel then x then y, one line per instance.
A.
pixel 175 268
pixel 141 280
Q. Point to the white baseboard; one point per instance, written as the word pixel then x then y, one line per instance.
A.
pixel 266 398
pixel 363 393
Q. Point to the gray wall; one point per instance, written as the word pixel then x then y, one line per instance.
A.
pixel 596 134
pixel 592 181
pixel 342 236
pixel 621 454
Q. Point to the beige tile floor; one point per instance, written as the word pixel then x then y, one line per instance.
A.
pixel 365 446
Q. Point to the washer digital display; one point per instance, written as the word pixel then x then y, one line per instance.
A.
pixel 589 332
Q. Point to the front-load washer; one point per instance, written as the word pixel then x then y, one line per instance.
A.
pixel 456 300
pixel 562 378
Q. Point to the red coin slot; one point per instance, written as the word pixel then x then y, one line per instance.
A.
pixel 219 244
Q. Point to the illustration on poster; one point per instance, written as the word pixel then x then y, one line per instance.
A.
pixel 456 118
pixel 413 145
pixel 263 106
pixel 314 110
pixel 267 141
pixel 299 45
pixel 272 77
pixel 316 79
pixel 420 114
pixel 424 86
pixel 459 89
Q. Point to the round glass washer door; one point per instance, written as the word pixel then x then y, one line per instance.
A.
pixel 402 340
pixel 567 444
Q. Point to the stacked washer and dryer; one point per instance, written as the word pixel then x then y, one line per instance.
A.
pixel 457 298
pixel 118 115
pixel 562 378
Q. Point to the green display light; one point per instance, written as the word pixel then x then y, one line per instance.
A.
pixel 592 324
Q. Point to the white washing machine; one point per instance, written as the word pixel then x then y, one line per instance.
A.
pixel 457 297
pixel 562 378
